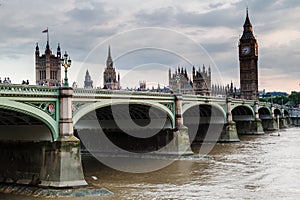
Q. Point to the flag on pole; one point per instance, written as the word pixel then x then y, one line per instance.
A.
pixel 46 31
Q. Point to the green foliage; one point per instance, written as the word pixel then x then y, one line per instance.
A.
pixel 292 100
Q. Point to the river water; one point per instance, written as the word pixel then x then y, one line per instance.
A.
pixel 259 167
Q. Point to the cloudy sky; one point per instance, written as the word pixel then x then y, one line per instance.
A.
pixel 149 37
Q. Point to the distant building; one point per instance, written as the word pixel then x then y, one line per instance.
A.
pixel 88 83
pixel 218 90
pixel 276 94
pixel 110 78
pixel 179 82
pixel 48 66
pixel 200 84
pixel 142 86
pixel 248 56
pixel 202 81
pixel 225 91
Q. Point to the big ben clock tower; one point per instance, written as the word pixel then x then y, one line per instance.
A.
pixel 248 56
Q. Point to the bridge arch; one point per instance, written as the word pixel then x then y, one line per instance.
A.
pixel 94 106
pixel 243 116
pixel 214 105
pixel 277 112
pixel 35 113
pixel 204 121
pixel 265 113
pixel 143 127
pixel 244 109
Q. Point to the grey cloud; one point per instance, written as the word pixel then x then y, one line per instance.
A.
pixel 213 18
pixel 157 17
pixel 97 14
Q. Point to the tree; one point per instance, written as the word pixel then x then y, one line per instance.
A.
pixel 294 99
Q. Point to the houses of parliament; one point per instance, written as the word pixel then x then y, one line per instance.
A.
pixel 48 70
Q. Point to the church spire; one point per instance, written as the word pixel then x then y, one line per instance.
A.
pixel 109 54
pixel 109 61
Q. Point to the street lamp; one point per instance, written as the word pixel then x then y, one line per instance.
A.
pixel 66 63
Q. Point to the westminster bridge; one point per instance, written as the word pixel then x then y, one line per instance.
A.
pixel 38 146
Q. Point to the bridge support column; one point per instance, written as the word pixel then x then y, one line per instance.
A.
pixel 256 127
pixel 229 133
pixel 283 121
pixel 61 164
pixel 180 134
pixel 289 121
pixel 271 124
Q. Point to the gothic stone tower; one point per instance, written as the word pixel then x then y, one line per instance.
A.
pixel 88 83
pixel 202 81
pixel 110 80
pixel 48 66
pixel 248 56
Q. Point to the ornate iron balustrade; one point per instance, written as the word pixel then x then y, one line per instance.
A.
pixel 27 90
pixel 82 93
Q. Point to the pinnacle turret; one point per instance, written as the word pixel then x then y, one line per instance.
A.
pixel 37 49
pixel 58 50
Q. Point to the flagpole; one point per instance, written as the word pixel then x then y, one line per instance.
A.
pixel 47 35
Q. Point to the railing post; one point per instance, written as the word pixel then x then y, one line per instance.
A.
pixel 65 120
pixel 228 110
pixel 178 111
pixel 272 109
pixel 256 111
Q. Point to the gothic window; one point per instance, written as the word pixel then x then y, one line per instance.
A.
pixel 42 74
pixel 53 75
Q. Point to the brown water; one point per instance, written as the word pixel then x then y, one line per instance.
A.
pixel 261 167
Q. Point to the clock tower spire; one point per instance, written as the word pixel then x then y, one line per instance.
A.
pixel 248 57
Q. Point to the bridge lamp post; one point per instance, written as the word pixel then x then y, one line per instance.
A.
pixel 66 63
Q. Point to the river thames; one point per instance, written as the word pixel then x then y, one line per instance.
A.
pixel 259 167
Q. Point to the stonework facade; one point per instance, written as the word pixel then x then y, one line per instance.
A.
pixel 88 83
pixel 202 81
pixel 179 82
pixel 248 57
pixel 199 84
pixel 48 66
pixel 110 78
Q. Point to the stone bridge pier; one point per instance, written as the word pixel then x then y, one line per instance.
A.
pixel 61 166
pixel 34 153
pixel 180 133
pixel 267 116
pixel 229 132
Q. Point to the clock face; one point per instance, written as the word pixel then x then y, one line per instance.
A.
pixel 245 50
